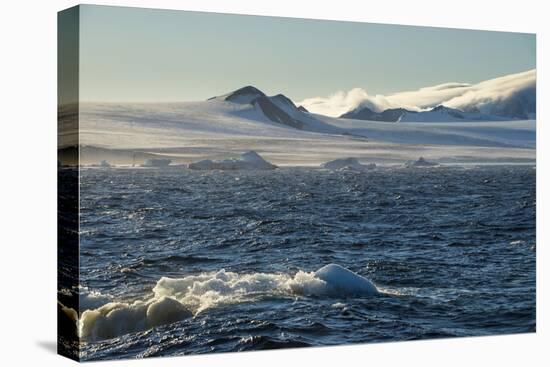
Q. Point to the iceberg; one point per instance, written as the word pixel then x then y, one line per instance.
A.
pixel 343 281
pixel 118 318
pixel 421 162
pixel 247 161
pixel 157 162
pixel 175 299
pixel 347 164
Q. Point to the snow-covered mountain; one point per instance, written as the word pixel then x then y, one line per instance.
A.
pixel 278 109
pixel 446 114
pixel 437 114
pixel 521 105
pixel 365 113
pixel 247 119
pixel 244 95
pixel 510 97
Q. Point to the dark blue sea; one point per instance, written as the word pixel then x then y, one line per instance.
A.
pixel 175 261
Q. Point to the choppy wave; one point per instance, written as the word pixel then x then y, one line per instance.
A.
pixel 174 299
pixel 451 274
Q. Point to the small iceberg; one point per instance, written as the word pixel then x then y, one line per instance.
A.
pixel 175 299
pixel 118 318
pixel 421 162
pixel 157 162
pixel 347 164
pixel 105 164
pixel 345 282
pixel 247 161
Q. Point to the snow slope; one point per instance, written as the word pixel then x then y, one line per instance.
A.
pixel 218 129
pixel 278 109
pixel 437 114
pixel 446 114
pixel 519 134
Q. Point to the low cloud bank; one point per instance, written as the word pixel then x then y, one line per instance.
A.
pixel 497 96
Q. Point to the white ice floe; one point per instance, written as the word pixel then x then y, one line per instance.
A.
pixel 347 164
pixel 157 162
pixel 247 161
pixel 91 299
pixel 119 318
pixel 338 305
pixel 421 162
pixel 340 280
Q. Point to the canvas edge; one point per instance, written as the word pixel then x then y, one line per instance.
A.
pixel 68 50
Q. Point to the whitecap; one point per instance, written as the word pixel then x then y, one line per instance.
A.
pixel 338 305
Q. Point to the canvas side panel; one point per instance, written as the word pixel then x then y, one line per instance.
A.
pixel 67 184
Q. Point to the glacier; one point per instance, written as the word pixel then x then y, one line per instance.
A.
pixel 134 134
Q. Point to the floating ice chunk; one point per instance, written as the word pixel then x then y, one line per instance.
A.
pixel 253 157
pixel 165 311
pixel 174 299
pixel 421 162
pixel 157 162
pixel 68 312
pixel 247 161
pixel 119 318
pixel 111 320
pixel 91 299
pixel 105 164
pixel 343 281
pixel 347 163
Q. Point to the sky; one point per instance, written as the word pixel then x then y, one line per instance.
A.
pixel 149 55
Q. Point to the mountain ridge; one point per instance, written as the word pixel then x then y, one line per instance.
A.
pixel 278 109
pixel 511 97
pixel 438 113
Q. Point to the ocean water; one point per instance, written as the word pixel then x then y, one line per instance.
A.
pixel 174 261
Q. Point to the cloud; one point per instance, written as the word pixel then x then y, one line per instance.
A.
pixel 485 96
pixel 337 103
pixel 499 93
